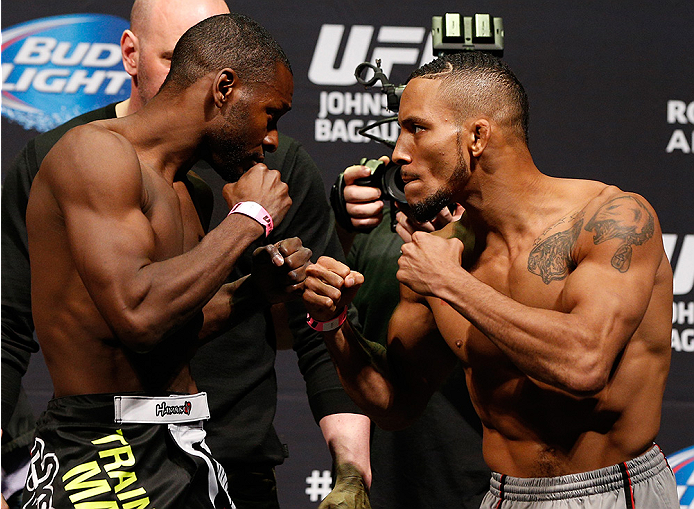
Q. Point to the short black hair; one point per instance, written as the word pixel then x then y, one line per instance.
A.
pixel 225 40
pixel 478 82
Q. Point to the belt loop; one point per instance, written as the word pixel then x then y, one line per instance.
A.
pixel 118 418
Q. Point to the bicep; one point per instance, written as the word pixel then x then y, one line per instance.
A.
pixel 613 283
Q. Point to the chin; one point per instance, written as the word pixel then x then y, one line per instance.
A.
pixel 232 174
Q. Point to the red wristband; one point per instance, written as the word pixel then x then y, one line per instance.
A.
pixel 254 211
pixel 333 324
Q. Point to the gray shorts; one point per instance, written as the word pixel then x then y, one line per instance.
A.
pixel 646 482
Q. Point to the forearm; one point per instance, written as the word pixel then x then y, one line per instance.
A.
pixel 231 305
pixel 553 347
pixel 348 438
pixel 364 371
pixel 163 296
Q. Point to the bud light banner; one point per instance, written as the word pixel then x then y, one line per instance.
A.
pixel 56 68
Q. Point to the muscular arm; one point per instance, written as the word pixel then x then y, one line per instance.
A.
pixel 392 386
pixel 142 285
pixel 345 430
pixel 574 346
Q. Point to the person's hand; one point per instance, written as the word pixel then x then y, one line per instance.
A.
pixel 363 204
pixel 406 226
pixel 349 491
pixel 428 261
pixel 279 270
pixel 329 287
pixel 263 186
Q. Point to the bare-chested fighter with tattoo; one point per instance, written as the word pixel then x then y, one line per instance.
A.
pixel 560 312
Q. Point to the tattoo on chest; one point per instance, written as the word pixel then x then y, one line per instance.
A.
pixel 551 257
pixel 624 218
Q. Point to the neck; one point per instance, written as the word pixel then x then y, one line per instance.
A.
pixel 508 197
pixel 123 108
pixel 166 133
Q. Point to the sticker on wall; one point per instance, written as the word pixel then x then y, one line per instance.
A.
pixel 56 68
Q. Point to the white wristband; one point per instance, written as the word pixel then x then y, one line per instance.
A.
pixel 254 211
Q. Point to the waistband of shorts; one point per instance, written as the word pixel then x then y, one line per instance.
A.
pixel 125 408
pixel 603 480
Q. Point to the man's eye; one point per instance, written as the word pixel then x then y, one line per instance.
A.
pixel 417 128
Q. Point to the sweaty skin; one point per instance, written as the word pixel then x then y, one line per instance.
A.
pixel 561 314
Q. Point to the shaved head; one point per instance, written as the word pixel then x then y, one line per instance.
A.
pixel 477 83
pixel 155 28
pixel 149 16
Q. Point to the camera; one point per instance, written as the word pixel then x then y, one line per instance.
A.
pixel 385 177
pixel 450 33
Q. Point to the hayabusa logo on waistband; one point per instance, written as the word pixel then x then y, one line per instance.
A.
pixel 56 68
pixel 163 409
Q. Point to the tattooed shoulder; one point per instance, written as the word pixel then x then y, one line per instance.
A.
pixel 551 257
pixel 627 219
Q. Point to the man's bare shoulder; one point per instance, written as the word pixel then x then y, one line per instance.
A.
pixel 614 212
pixel 91 155
pixel 623 220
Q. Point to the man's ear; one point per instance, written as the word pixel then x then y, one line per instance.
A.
pixel 226 83
pixel 130 52
pixel 480 132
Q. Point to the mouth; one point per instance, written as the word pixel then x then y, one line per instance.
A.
pixel 407 177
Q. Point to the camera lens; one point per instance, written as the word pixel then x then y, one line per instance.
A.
pixel 393 184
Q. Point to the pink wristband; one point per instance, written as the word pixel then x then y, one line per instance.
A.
pixel 254 211
pixel 333 324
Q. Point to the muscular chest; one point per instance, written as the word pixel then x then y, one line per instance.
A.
pixel 175 223
pixel 513 277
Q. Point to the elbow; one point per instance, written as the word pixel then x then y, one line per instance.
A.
pixel 397 418
pixel 137 333
pixel 589 377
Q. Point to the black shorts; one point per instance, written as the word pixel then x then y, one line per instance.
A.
pixel 82 456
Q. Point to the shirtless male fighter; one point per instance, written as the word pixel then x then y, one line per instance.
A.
pixel 560 313
pixel 125 286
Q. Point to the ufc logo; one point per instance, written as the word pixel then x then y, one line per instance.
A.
pixel 325 70
pixel 683 265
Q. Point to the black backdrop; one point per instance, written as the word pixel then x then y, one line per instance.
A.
pixel 611 87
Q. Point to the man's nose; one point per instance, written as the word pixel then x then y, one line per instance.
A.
pixel 271 141
pixel 400 154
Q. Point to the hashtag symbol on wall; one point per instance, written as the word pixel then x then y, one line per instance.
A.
pixel 319 485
